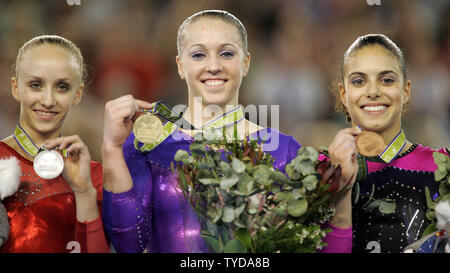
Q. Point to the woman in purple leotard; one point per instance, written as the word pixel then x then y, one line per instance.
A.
pixel 143 209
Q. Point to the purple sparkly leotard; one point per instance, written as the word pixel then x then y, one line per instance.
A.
pixel 153 216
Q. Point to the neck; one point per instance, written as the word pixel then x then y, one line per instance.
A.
pixel 39 138
pixel 199 114
pixel 389 135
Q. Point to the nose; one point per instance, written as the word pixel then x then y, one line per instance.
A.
pixel 48 97
pixel 214 65
pixel 373 90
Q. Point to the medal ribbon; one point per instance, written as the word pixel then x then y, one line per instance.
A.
pixel 174 120
pixel 394 148
pixel 389 154
pixel 26 143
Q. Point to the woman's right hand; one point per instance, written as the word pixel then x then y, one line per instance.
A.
pixel 119 118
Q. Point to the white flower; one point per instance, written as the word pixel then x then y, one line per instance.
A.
pixel 9 176
pixel 443 215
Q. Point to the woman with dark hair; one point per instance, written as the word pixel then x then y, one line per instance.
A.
pixel 373 91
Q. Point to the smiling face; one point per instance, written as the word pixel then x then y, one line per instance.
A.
pixel 212 61
pixel 47 84
pixel 374 89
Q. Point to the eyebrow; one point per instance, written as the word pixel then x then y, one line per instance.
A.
pixel 382 73
pixel 222 45
pixel 30 78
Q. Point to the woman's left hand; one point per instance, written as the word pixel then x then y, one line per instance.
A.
pixel 77 168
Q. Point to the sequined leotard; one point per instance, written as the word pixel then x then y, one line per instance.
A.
pixel 402 180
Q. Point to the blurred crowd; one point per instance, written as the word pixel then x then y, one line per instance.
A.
pixel 296 48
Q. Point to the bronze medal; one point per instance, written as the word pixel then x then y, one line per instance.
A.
pixel 147 128
pixel 370 144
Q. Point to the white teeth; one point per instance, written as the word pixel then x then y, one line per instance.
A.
pixel 214 82
pixel 42 113
pixel 374 108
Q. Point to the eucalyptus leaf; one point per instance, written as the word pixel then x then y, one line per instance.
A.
pixel 239 210
pixel 280 196
pixel 211 227
pixel 279 177
pixel 226 168
pixel 262 176
pixel 243 235
pixel 430 203
pixel 387 207
pixel 212 242
pixel 307 167
pixel 297 208
pixel 228 214
pixel 292 172
pixel 439 158
pixel 310 182
pixel 439 174
pixel 208 181
pixel 197 148
pixel 181 155
pixel 297 194
pixel 234 246
pixel 237 165
pixel 228 182
pixel 372 205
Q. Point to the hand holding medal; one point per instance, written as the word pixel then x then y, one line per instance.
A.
pixel 76 161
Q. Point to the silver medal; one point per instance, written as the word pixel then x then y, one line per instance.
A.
pixel 48 164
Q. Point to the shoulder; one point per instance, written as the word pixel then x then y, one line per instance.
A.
pixel 275 140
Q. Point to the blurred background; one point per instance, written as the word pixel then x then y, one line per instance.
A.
pixel 296 47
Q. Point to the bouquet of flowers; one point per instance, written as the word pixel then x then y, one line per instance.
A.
pixel 245 205
pixel 442 176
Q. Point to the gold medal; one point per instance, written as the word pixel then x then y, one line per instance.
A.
pixel 147 128
pixel 370 144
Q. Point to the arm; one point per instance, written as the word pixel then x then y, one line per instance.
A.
pixel 343 152
pixel 125 219
pixel 77 172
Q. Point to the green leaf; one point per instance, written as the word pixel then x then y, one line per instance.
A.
pixel 228 182
pixel 253 204
pixel 430 203
pixel 245 184
pixel 228 214
pixel 297 208
pixel 181 155
pixel 439 158
pixel 212 242
pixel 226 168
pixel 372 205
pixel 208 181
pixel 279 177
pixel 439 174
pixel 310 182
pixel 292 172
pixel 297 194
pixel 234 246
pixel 197 148
pixel 262 176
pixel 386 207
pixel 243 235
pixel 237 165
pixel 278 197
pixel 239 210
pixel 430 229
pixel 356 193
